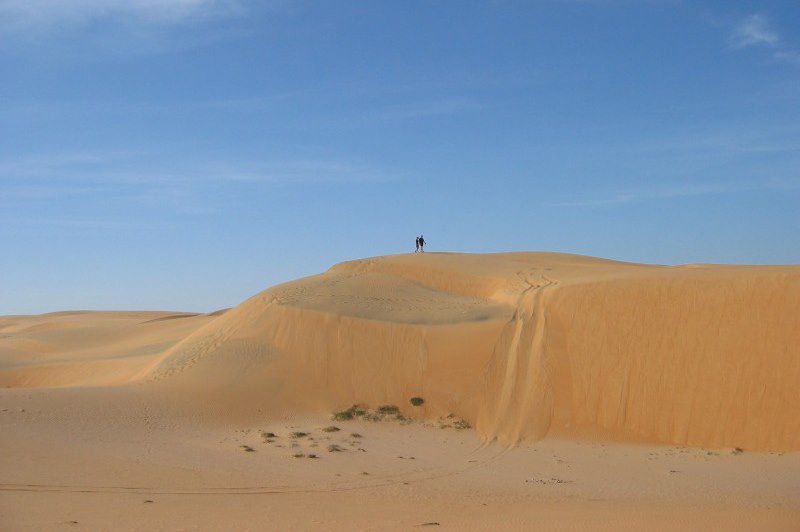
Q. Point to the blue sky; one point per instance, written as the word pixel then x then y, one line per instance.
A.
pixel 185 154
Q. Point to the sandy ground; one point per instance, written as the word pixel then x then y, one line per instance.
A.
pixel 598 395
pixel 91 461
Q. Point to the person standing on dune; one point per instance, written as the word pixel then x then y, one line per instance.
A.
pixel 417 248
pixel 421 242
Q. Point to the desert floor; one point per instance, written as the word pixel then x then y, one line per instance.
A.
pixel 93 460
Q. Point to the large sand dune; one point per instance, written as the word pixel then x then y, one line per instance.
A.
pixel 165 421
pixel 518 344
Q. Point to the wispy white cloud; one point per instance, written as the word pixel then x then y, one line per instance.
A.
pixel 139 178
pixel 299 172
pixel 41 192
pixel 104 27
pixel 755 156
pixel 79 224
pixel 757 30
pixel 39 15
pixel 411 109
pixel 791 56
pixel 677 190
pixel 39 109
pixel 661 192
pixel 754 30
pixel 425 109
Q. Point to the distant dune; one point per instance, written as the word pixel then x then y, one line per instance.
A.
pixel 521 345
pixel 85 348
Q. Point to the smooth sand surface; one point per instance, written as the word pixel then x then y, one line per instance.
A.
pixel 86 348
pixel 598 395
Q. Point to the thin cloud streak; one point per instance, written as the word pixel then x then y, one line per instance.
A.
pixel 60 15
pixel 84 224
pixel 426 109
pixel 680 191
pixel 277 102
pixel 134 178
pixel 85 30
pixel 756 30
pixel 752 31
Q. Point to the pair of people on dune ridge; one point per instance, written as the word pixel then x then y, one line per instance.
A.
pixel 420 244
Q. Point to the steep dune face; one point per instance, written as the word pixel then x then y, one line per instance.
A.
pixel 520 345
pixel 707 357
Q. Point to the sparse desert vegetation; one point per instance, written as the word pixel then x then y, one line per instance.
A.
pixel 381 413
pixel 461 424
pixel 392 413
pixel 452 421
pixel 353 412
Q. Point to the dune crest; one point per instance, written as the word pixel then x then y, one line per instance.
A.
pixel 519 344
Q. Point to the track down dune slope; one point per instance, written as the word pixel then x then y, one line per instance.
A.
pixel 520 345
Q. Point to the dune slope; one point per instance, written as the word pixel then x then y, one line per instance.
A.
pixel 520 345
pixel 83 348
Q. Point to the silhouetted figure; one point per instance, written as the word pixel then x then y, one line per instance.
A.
pixel 421 244
pixel 417 248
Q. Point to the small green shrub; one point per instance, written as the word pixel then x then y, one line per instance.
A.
pixel 388 409
pixel 299 434
pixel 373 416
pixel 352 412
pixel 461 424
pixel 416 401
pixel 331 429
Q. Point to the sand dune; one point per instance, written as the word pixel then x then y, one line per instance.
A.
pixel 519 344
pixel 588 372
pixel 86 348
pixel 523 344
